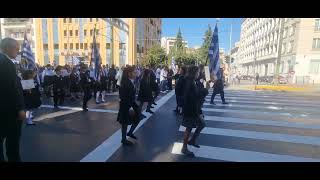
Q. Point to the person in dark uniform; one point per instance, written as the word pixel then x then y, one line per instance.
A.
pixel 58 87
pixel 191 110
pixel 74 84
pixel 145 91
pixel 218 89
pixel 154 84
pixel 86 85
pixel 31 96
pixel 170 77
pixel 11 102
pixel 127 101
pixel 199 82
pixel 112 78
pixel 179 90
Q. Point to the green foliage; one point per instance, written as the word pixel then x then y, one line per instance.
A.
pixel 156 55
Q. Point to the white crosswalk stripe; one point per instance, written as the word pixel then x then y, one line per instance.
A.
pixel 275 121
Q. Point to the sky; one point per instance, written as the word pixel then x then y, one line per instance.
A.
pixel 193 30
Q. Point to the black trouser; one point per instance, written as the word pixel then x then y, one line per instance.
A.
pixel 124 128
pixel 221 95
pixel 58 95
pixel 114 82
pixel 86 97
pixel 170 83
pixel 148 106
pixel 12 142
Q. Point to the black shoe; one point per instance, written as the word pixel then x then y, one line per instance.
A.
pixel 84 109
pixel 187 153
pixel 149 111
pixel 225 103
pixel 151 107
pixel 132 136
pixel 212 103
pixel 31 124
pixel 126 142
pixel 143 116
pixel 56 107
pixel 154 103
pixel 193 144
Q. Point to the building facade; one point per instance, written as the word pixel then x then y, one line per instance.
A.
pixel 58 40
pixel 146 32
pixel 299 38
pixel 17 28
pixel 168 43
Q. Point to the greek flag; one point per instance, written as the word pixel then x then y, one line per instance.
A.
pixel 95 57
pixel 214 66
pixel 27 54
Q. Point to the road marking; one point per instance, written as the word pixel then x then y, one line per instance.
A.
pixel 255 112
pixel 55 114
pixel 263 122
pixel 105 150
pixel 259 106
pixel 268 103
pixel 311 140
pixel 299 98
pixel 236 155
pixel 80 109
pixel 269 99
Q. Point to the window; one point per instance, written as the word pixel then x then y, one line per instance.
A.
pixel 85 46
pixel 97 19
pixel 70 20
pixel 85 32
pixel 283 50
pixel 314 67
pixel 65 46
pixel 64 20
pixel 108 45
pixel 70 32
pixel 65 32
pixel 81 45
pixel 285 32
pixel 317 25
pixel 98 45
pixel 56 46
pixel 45 46
pixel 91 32
pixel 71 46
pixel 76 32
pixel 90 19
pixel 97 31
pixel 316 43
pixel 77 46
pixel 290 44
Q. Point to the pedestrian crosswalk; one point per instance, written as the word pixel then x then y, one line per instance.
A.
pixel 259 126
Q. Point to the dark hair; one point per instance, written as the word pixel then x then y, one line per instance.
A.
pixel 27 74
pixel 192 72
pixel 58 68
pixel 125 74
pixel 183 70
pixel 146 74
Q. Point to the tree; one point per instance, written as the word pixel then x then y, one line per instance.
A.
pixel 204 50
pixel 178 51
pixel 156 55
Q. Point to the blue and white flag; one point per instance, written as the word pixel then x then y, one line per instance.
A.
pixel 214 66
pixel 95 57
pixel 27 54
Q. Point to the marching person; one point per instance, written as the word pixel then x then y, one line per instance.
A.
pixel 218 89
pixel 145 91
pixel 101 85
pixel 179 90
pixel 119 76
pixel 127 101
pixel 86 83
pixel 47 79
pixel 163 79
pixel 170 77
pixel 74 84
pixel 31 96
pixel 154 84
pixel 58 87
pixel 158 72
pixel 11 102
pixel 112 78
pixel 191 110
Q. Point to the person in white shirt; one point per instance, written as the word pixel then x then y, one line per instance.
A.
pixel 158 72
pixel 164 78
pixel 119 76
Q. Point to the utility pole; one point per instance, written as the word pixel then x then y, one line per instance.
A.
pixel 280 39
pixel 255 54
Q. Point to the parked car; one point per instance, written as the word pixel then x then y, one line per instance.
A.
pixel 282 80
